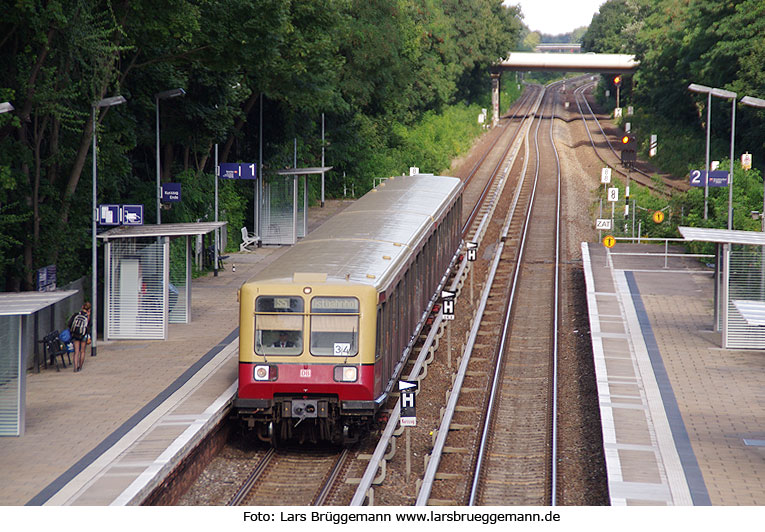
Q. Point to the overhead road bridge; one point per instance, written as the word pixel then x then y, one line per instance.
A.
pixel 558 47
pixel 589 62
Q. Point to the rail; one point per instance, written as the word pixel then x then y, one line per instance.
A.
pixel 363 490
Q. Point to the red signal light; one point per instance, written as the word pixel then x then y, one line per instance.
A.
pixel 625 139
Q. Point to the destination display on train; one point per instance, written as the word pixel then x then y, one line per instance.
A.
pixel 348 304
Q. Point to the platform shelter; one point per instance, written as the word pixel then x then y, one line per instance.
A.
pixel 284 209
pixel 15 307
pixel 147 280
pixel 739 284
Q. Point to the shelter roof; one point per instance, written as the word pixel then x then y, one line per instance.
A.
pixel 154 230
pixel 23 303
pixel 304 171
pixel 723 236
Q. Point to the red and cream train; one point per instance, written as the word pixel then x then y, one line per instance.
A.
pixel 324 331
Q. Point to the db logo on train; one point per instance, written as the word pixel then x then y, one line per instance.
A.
pixel 609 241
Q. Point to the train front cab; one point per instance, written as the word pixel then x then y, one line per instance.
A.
pixel 306 360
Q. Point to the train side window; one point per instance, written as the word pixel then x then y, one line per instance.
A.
pixel 279 325
pixel 335 326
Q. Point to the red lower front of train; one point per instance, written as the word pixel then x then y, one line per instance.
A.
pixel 306 402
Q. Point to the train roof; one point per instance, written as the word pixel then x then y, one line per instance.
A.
pixel 372 238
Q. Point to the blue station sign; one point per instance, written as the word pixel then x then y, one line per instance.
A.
pixel 132 215
pixel 108 214
pixel 171 192
pixel 238 171
pixel 120 215
pixel 717 178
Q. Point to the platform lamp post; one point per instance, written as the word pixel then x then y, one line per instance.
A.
pixel 720 93
pixel 164 95
pixel 106 102
pixel 759 103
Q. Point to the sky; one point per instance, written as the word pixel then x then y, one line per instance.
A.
pixel 556 16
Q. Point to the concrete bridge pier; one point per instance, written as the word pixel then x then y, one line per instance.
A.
pixel 495 98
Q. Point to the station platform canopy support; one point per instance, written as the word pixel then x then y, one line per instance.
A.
pixel 284 209
pixel 147 280
pixel 14 308
pixel 558 62
pixel 739 284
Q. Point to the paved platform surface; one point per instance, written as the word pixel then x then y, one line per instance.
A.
pixel 683 419
pixel 100 436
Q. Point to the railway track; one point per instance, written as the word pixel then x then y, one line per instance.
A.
pixel 510 456
pixel 603 146
pixel 299 477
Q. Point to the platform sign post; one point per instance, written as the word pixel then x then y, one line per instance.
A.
pixel 447 305
pixel 613 197
pixel 407 389
pixel 471 251
pixel 602 224
pixel 605 177
pixel 608 241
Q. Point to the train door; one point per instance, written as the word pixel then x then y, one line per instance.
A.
pixel 380 350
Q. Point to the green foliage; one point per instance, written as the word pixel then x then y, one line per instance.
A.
pixel 678 42
pixel 437 138
pixel 376 69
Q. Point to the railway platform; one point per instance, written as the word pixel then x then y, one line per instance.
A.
pixel 106 435
pixel 683 419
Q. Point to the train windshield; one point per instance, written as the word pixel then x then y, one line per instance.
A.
pixel 279 325
pixel 334 326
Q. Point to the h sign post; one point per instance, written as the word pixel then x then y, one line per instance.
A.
pixel 408 417
pixel 448 304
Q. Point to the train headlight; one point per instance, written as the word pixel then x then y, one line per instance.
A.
pixel 346 373
pixel 264 373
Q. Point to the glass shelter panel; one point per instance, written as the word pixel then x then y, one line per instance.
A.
pixel 177 290
pixel 136 289
pixel 277 213
pixel 747 283
pixel 11 386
